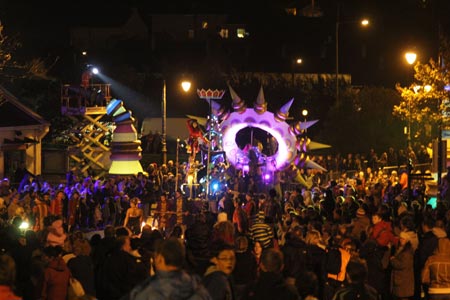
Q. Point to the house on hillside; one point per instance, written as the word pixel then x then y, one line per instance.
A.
pixel 21 133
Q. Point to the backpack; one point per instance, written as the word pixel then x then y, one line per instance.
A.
pixel 333 261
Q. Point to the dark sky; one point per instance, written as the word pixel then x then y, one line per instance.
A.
pixel 42 26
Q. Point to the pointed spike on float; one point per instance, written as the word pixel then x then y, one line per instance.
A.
pixel 307 124
pixel 260 104
pixel 214 105
pixel 310 164
pixel 283 112
pixel 315 146
pixel 217 109
pixel 260 99
pixel 238 104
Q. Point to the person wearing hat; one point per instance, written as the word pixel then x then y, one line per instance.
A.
pixel 402 263
pixel 223 229
pixel 360 223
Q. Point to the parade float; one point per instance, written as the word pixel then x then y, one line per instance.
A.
pixel 288 144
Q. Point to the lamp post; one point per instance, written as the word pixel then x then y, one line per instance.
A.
pixel 410 59
pixel 163 125
pixel 294 64
pixel 186 85
pixel 177 164
pixel 364 23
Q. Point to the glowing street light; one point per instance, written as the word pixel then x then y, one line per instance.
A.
pixel 186 86
pixel 365 22
pixel 410 57
pixel 299 61
pixel 305 113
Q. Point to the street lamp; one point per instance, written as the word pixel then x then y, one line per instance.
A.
pixel 410 59
pixel 186 86
pixel 295 63
pixel 363 23
pixel 305 113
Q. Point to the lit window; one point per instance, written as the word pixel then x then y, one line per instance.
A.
pixel 191 34
pixel 204 25
pixel 241 33
pixel 291 11
pixel 224 33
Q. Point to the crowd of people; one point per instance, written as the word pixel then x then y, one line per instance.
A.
pixel 364 236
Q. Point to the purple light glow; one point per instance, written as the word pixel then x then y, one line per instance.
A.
pixel 267 122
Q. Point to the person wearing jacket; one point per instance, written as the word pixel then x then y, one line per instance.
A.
pixel 436 272
pixel 170 280
pixel 271 283
pixel 55 279
pixel 357 287
pixel 217 278
pixel 7 278
pixel 382 231
pixel 402 263
pixel 121 271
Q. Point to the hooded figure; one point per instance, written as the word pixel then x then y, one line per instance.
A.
pixel 436 272
pixel 402 283
pixel 55 281
pixel 411 237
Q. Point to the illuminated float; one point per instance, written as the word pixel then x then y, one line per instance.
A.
pixel 125 146
pixel 228 132
pixel 291 140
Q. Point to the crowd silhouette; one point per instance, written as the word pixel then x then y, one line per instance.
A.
pixel 362 230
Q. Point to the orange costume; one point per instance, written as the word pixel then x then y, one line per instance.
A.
pixel 195 134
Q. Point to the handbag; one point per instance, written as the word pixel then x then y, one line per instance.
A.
pixel 76 289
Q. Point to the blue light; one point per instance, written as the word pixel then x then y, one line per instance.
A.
pixel 447 87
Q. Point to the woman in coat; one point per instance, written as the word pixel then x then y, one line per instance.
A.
pixel 402 264
pixel 55 279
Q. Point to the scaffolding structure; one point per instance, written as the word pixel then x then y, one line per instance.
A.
pixel 86 107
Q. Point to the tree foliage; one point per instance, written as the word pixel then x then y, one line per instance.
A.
pixel 360 122
pixel 425 103
pixel 12 68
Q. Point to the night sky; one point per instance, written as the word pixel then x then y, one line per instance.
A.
pixel 42 28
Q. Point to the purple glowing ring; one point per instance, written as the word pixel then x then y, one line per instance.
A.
pixel 279 130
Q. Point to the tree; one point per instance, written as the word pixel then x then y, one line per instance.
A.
pixel 360 122
pixel 425 103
